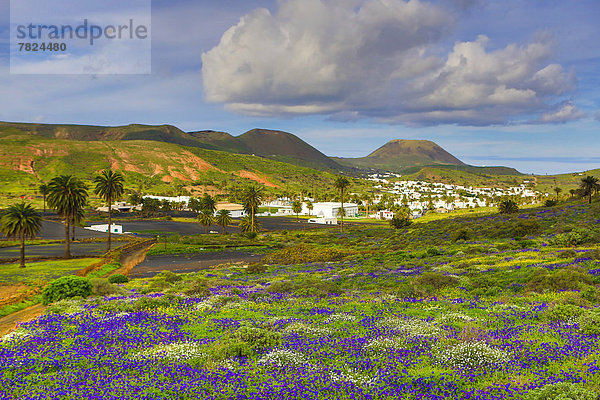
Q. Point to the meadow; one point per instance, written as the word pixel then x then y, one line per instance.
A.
pixel 483 306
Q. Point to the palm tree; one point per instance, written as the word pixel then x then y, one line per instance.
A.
pixel 297 208
pixel 109 186
pixel 310 206
pixel 557 190
pixel 67 195
pixel 508 207
pixel 206 219
pixel 21 220
pixel 44 192
pixel 341 183
pixel 207 203
pixel 247 225
pixel 223 219
pixel 588 186
pixel 251 198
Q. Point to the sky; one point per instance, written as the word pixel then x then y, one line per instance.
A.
pixel 510 82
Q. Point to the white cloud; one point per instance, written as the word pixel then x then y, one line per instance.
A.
pixel 377 59
pixel 564 113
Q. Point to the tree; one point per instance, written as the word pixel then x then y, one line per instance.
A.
pixel 21 220
pixel 109 186
pixel 67 195
pixel 400 221
pixel 223 219
pixel 508 207
pixel 297 208
pixel 44 192
pixel 341 183
pixel 251 199
pixel 206 219
pixel 588 186
pixel 249 225
pixel 557 190
pixel 207 203
pixel 194 204
pixel 310 206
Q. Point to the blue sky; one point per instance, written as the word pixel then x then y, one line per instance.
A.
pixel 509 82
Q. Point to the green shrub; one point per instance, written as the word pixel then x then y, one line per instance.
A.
pixel 562 312
pixel 575 237
pixel 508 207
pixel 66 287
pixel 103 287
pixel 118 278
pixel 526 227
pixel 399 222
pixel 565 279
pixel 433 251
pixel 256 268
pixel 550 203
pixel 589 323
pixel 169 277
pixel 198 288
pixel 562 391
pixel 436 280
pixel 569 253
pixel 251 235
pixel 461 234
pixel 591 294
pixel 282 287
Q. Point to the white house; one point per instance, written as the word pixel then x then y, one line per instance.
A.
pixel 384 214
pixel 323 221
pixel 235 210
pixel 178 199
pixel 331 209
pixel 104 228
pixel 120 206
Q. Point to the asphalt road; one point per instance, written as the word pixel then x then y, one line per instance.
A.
pixel 56 231
pixel 185 263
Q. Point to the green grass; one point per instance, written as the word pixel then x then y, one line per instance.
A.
pixel 45 271
pixel 13 308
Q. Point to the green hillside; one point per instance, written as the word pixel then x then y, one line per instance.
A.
pixel 27 160
pixel 467 175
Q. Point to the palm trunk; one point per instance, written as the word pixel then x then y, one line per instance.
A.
pixel 73 230
pixel 44 203
pixel 342 213
pixel 223 229
pixel 67 241
pixel 22 249
pixel 109 223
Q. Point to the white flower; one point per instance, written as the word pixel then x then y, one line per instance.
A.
pixel 179 351
pixel 282 358
pixel 472 355
pixel 339 317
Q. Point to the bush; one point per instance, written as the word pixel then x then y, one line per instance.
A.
pixel 251 235
pixel 591 294
pixel 169 277
pixel 433 251
pixel 508 207
pixel 256 268
pixel 562 312
pixel 400 222
pixel 198 288
pixel 118 278
pixel 461 234
pixel 565 279
pixel 575 237
pixel 436 280
pixel 66 287
pixel 589 323
pixel 526 227
pixel 550 203
pixel 562 391
pixel 103 287
pixel 567 253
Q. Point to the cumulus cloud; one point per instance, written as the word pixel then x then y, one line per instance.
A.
pixel 564 113
pixel 376 59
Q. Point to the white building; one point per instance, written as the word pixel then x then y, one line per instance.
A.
pixel 235 210
pixel 330 209
pixel 384 215
pixel 120 206
pixel 104 228
pixel 177 199
pixel 323 221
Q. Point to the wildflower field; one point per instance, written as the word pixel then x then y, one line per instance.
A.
pixel 481 307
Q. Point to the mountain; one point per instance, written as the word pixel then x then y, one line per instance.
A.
pixel 28 159
pixel 284 146
pixel 398 155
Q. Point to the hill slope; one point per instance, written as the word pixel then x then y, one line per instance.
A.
pixel 397 155
pixel 26 160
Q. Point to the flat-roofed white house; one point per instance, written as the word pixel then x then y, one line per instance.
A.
pixel 235 210
pixel 104 228
pixel 323 221
pixel 331 209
